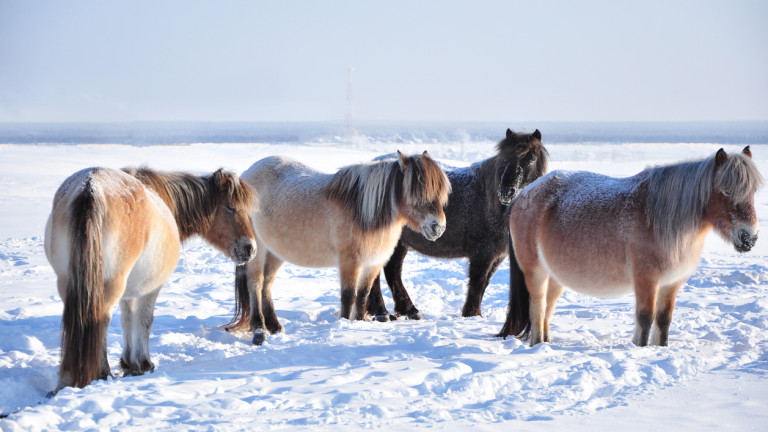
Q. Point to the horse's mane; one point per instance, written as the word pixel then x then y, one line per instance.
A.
pixel 193 200
pixel 373 192
pixel 517 145
pixel 678 194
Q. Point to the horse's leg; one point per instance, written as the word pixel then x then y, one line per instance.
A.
pixel 269 316
pixel 255 280
pixel 664 308
pixel 646 291
pixel 554 291
pixel 376 305
pixel 393 271
pixel 537 282
pixel 138 314
pixel 349 274
pixel 481 270
pixel 363 290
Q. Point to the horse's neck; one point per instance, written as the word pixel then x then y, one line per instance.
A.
pixel 486 178
pixel 189 208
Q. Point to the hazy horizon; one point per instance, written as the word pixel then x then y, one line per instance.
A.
pixel 593 61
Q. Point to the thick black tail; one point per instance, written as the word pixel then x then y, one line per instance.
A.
pixel 84 322
pixel 241 319
pixel 518 321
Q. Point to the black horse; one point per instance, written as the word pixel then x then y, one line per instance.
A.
pixel 476 225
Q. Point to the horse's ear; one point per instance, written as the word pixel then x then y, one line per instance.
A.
pixel 402 160
pixel 221 178
pixel 537 134
pixel 426 154
pixel 720 158
pixel 510 133
pixel 747 152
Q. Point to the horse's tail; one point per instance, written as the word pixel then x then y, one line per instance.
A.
pixel 518 321
pixel 84 322
pixel 242 316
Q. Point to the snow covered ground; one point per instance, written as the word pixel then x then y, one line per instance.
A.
pixel 445 372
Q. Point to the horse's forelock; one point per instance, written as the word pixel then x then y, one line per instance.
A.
pixel 738 176
pixel 519 145
pixel 232 188
pixel 427 182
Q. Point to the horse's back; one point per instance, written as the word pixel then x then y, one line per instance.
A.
pixel 292 209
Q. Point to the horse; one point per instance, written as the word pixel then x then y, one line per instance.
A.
pixel 605 236
pixel 476 224
pixel 350 220
pixel 115 235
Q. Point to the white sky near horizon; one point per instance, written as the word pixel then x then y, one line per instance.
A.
pixel 412 60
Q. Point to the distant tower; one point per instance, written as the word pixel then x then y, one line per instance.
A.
pixel 349 121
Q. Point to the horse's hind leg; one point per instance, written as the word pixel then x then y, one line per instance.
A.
pixel 393 272
pixel 554 291
pixel 537 282
pixel 481 269
pixel 664 307
pixel 375 306
pixel 138 314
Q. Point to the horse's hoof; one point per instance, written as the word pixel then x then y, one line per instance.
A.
pixel 259 337
pixel 51 394
pixel 416 316
pixel 382 318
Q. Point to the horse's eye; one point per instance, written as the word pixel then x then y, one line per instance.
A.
pixel 725 193
pixel 230 208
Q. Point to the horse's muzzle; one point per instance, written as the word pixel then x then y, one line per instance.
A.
pixel 433 231
pixel 506 198
pixel 243 252
pixel 746 242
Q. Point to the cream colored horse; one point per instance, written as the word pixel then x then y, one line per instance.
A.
pixel 606 236
pixel 115 236
pixel 351 220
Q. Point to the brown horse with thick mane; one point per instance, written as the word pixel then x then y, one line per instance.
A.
pixel 350 220
pixel 607 236
pixel 115 236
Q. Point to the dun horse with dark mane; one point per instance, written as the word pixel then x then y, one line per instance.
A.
pixel 608 236
pixel 350 220
pixel 476 222
pixel 115 236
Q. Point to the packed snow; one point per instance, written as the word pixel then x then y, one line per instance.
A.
pixel 444 372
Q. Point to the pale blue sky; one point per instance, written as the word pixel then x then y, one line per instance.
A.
pixel 414 60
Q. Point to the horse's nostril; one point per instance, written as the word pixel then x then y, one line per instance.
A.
pixel 248 250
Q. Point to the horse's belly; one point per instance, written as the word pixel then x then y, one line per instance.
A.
pixel 604 279
pixel 297 248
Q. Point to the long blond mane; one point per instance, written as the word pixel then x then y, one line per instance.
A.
pixel 678 194
pixel 373 192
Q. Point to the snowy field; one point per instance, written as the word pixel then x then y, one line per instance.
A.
pixel 445 372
